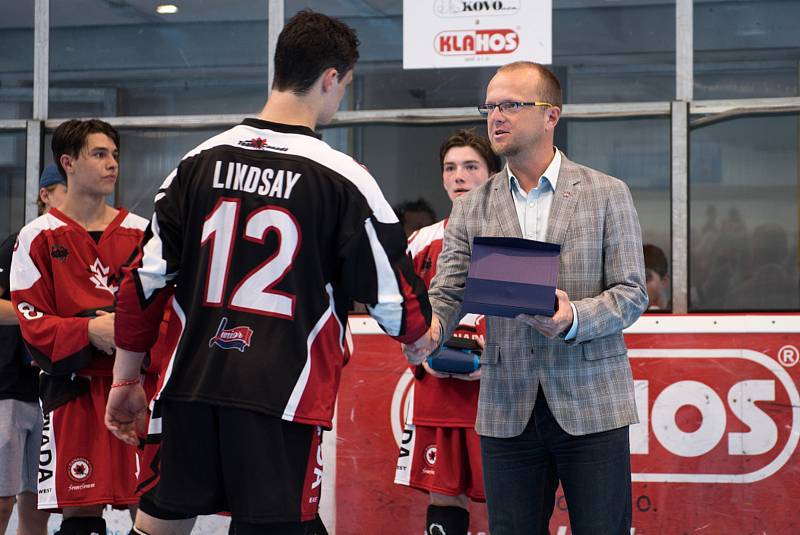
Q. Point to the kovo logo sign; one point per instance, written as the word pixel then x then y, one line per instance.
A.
pixel 472 8
pixel 730 420
pixel 475 42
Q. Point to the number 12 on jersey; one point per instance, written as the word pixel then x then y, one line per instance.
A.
pixel 254 293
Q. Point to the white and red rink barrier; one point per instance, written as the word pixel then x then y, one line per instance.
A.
pixel 715 452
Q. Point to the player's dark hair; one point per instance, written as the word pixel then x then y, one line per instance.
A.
pixel 655 259
pixel 309 44
pixel 70 138
pixel 420 205
pixel 467 137
pixel 549 89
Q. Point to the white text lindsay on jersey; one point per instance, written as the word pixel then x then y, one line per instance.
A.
pixel 252 179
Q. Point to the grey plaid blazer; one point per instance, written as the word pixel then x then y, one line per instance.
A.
pixel 587 382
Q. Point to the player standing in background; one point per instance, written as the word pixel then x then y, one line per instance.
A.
pixel 64 275
pixel 20 413
pixel 441 453
pixel 263 235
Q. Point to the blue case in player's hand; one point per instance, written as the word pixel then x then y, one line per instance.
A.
pixel 458 355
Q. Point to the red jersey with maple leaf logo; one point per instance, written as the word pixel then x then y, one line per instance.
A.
pixel 442 402
pixel 59 278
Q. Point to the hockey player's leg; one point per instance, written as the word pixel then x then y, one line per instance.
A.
pixel 32 521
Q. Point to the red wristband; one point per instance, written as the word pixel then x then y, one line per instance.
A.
pixel 125 382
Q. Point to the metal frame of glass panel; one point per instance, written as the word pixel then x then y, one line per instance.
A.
pixel 684 113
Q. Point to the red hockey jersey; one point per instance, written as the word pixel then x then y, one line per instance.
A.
pixel 442 402
pixel 59 278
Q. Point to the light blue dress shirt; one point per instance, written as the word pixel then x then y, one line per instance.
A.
pixel 533 211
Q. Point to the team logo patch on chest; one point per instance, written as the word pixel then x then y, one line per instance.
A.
pixel 59 252
pixel 79 469
pixel 235 338
pixel 260 143
pixel 102 277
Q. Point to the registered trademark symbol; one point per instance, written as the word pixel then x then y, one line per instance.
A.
pixel 788 356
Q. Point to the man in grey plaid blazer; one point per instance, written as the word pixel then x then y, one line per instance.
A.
pixel 556 395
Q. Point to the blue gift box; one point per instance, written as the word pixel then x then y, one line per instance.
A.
pixel 511 276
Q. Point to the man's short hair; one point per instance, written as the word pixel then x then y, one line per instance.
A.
pixel 655 259
pixel 467 137
pixel 550 89
pixel 309 44
pixel 70 138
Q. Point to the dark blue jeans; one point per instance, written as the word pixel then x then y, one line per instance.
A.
pixel 521 475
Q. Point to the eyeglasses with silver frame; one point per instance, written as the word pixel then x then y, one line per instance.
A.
pixel 510 107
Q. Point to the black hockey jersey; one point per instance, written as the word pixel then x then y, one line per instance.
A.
pixel 265 234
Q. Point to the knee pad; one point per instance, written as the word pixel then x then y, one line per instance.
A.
pixel 446 520
pixel 82 525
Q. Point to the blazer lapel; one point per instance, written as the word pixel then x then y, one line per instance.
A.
pixel 502 205
pixel 565 198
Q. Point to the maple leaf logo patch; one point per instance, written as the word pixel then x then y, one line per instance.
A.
pixel 102 278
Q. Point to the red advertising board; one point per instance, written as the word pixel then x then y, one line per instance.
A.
pixel 715 450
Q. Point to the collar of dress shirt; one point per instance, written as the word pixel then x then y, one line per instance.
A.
pixel 550 174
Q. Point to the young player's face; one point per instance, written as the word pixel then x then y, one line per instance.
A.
pixel 463 170
pixel 513 132
pixel 96 168
pixel 656 288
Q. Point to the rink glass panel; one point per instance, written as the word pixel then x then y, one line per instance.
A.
pixel 12 182
pixel 16 59
pixel 126 59
pixel 743 215
pixel 746 49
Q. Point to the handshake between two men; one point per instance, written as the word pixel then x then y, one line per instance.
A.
pixel 551 327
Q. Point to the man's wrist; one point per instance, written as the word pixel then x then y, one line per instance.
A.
pixel 127 364
pixel 571 332
pixel 438 330
pixel 119 383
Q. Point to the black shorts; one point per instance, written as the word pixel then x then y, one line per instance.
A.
pixel 259 468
